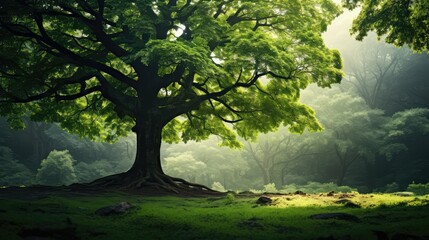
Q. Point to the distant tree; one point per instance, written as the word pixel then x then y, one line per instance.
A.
pixel 57 169
pixel 407 135
pixel 13 173
pixel 372 68
pixel 274 151
pixel 87 172
pixel 402 22
pixel 411 85
pixel 184 165
pixel 352 129
pixel 104 68
pixel 224 165
pixel 30 145
pixel 118 156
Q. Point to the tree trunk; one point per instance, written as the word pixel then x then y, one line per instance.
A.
pixel 341 176
pixel 266 176
pixel 148 158
pixel 147 170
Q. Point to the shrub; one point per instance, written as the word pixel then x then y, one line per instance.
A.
pixel 270 188
pixel 57 169
pixel 418 188
pixel 391 188
pixel 13 173
pixel 230 198
pixel 87 172
pixel 316 187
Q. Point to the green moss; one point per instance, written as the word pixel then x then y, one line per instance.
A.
pixel 216 218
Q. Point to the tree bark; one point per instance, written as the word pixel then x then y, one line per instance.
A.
pixel 147 170
pixel 148 158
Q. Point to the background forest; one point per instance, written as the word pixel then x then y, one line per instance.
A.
pixel 376 136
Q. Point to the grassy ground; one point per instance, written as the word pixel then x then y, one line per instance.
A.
pixel 230 217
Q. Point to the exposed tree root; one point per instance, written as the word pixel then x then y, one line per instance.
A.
pixel 158 182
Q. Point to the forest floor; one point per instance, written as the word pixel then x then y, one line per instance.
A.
pixel 53 214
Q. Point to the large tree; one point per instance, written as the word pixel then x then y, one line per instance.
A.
pixel 168 70
pixel 402 22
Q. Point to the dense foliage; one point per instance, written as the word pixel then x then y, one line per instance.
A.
pixel 176 70
pixel 238 73
pixel 401 22
pixel 57 168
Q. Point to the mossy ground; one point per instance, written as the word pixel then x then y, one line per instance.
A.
pixel 73 217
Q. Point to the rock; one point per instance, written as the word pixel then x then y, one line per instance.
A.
pixel 347 203
pixel 343 201
pixel 264 200
pixel 338 216
pixel 404 194
pixel 300 193
pixel 352 205
pixel 345 195
pixel 117 209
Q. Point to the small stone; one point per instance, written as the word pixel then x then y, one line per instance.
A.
pixel 343 201
pixel 264 200
pixel 117 209
pixel 345 195
pixel 300 193
pixel 404 194
pixel 352 205
pixel 347 203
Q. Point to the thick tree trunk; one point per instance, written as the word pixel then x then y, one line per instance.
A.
pixel 146 172
pixel 148 158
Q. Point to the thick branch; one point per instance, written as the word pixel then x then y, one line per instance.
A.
pixel 78 78
pixel 125 104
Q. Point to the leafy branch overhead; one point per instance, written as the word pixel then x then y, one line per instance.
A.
pixel 97 66
pixel 401 22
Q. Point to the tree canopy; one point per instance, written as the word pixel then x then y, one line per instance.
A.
pixel 402 22
pixel 189 68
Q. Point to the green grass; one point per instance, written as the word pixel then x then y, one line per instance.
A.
pixel 215 218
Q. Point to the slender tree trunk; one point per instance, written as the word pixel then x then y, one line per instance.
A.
pixel 342 175
pixel 266 177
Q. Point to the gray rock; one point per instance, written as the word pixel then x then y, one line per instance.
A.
pixel 343 201
pixel 117 209
pixel 348 203
pixel 404 194
pixel 330 194
pixel 264 200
